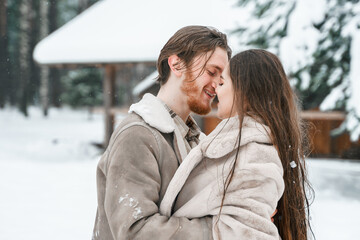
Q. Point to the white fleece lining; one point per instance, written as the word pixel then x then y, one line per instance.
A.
pixel 152 110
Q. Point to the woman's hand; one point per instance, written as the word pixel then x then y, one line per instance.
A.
pixel 272 216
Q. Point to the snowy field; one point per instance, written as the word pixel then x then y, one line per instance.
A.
pixel 48 188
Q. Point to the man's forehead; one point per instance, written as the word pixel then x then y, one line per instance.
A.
pixel 218 60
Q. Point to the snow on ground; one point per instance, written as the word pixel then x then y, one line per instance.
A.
pixel 335 211
pixel 47 178
pixel 48 187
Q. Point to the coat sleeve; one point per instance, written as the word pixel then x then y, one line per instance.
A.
pixel 252 196
pixel 133 182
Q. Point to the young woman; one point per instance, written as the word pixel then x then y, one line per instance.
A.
pixel 252 163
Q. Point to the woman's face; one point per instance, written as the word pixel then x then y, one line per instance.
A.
pixel 225 93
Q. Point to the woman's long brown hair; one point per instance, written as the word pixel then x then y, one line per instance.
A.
pixel 262 90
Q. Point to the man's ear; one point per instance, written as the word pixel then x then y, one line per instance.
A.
pixel 174 64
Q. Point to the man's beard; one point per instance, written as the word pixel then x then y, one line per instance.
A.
pixel 192 91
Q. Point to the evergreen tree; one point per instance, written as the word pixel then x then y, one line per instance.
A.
pixel 313 40
pixel 82 88
pixel 266 24
pixel 343 25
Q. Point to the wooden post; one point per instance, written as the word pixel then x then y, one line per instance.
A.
pixel 109 96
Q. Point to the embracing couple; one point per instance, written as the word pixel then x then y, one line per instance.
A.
pixel 162 178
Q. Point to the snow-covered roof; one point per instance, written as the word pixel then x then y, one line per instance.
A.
pixel 146 83
pixel 115 31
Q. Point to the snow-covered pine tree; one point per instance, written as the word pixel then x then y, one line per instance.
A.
pixel 316 41
pixel 266 24
pixel 343 53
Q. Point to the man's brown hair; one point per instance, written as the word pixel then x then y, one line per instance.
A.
pixel 188 43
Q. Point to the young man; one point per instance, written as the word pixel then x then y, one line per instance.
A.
pixel 146 149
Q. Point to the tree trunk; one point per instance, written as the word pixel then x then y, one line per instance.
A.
pixel 108 89
pixel 44 71
pixel 55 84
pixel 24 49
pixel 55 87
pixel 4 71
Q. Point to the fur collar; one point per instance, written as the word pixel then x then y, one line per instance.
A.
pixel 224 139
pixel 152 110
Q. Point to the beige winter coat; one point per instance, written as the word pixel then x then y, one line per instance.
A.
pixel 133 175
pixel 196 189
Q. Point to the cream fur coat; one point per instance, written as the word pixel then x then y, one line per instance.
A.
pixel 197 187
